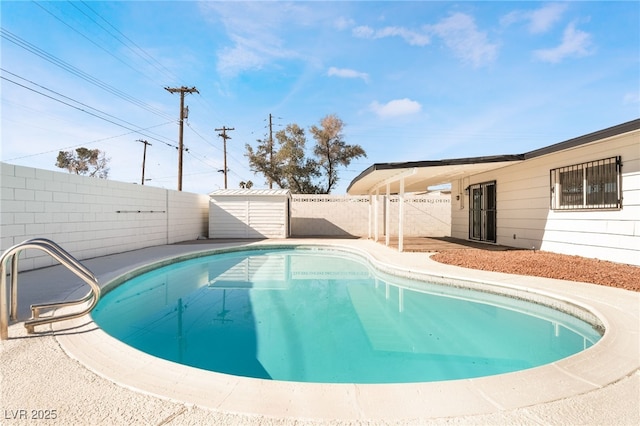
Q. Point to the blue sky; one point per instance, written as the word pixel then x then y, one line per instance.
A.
pixel 412 81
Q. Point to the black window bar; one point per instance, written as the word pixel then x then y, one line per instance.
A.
pixel 590 185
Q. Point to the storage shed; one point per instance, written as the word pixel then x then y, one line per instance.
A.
pixel 249 213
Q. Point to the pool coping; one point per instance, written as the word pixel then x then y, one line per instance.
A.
pixel 612 359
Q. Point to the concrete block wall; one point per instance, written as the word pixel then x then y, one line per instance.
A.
pixel 329 215
pixel 188 216
pixel 91 217
pixel 426 215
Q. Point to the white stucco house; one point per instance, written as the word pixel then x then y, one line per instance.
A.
pixel 578 197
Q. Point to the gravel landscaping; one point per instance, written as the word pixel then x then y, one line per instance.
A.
pixel 545 264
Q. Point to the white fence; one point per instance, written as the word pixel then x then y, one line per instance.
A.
pixel 426 215
pixel 92 217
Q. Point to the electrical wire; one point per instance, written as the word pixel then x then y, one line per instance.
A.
pixel 9 36
pixel 86 37
pixel 84 144
pixel 139 131
pixel 87 109
pixel 147 57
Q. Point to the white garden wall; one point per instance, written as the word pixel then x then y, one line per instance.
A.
pixel 426 215
pixel 524 217
pixel 92 217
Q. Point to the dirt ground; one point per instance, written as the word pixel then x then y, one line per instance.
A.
pixel 545 264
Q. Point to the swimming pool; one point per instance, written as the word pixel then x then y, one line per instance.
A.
pixel 327 316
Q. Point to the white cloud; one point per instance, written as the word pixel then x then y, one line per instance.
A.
pixel 631 98
pixel 575 43
pixel 543 18
pixel 395 108
pixel 363 31
pixel 250 53
pixel 343 23
pixel 413 38
pixel 540 20
pixel 347 73
pixel 255 29
pixel 460 34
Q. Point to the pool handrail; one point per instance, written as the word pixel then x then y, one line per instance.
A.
pixel 58 253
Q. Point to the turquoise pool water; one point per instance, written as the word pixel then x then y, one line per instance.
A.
pixel 315 315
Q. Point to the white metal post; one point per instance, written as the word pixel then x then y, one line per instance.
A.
pixel 369 219
pixel 387 219
pixel 401 216
pixel 376 227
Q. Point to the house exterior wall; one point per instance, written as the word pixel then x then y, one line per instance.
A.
pixel 92 217
pixel 248 216
pixel 426 215
pixel 524 216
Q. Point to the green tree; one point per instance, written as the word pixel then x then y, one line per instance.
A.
pixel 297 172
pixel 331 150
pixel 88 162
pixel 284 161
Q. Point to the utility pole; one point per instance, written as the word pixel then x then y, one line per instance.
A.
pixel 144 156
pixel 224 137
pixel 270 149
pixel 182 90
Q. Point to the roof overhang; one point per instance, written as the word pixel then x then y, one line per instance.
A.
pixel 431 173
pixel 419 175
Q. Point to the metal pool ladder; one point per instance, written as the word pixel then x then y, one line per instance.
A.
pixel 70 262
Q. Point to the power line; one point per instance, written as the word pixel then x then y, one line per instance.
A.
pixel 65 97
pixel 147 57
pixel 229 154
pixel 7 35
pixel 85 143
pixel 84 110
pixel 84 36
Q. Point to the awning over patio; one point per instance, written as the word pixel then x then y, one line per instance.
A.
pixel 414 176
pixel 424 174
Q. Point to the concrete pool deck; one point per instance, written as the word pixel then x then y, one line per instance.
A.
pixel 79 375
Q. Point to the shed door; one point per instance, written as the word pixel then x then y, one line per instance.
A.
pixel 482 212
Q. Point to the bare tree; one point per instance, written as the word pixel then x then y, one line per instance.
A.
pixel 287 166
pixel 331 150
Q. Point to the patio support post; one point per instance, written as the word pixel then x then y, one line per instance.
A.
pixel 401 216
pixel 376 233
pixel 387 218
pixel 369 219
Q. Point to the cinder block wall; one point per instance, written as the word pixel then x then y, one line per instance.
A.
pixel 426 215
pixel 329 215
pixel 91 217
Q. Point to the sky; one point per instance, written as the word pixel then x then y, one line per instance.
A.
pixel 412 81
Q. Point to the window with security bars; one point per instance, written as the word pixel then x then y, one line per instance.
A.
pixel 591 185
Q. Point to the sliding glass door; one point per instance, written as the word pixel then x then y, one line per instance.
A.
pixel 482 211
